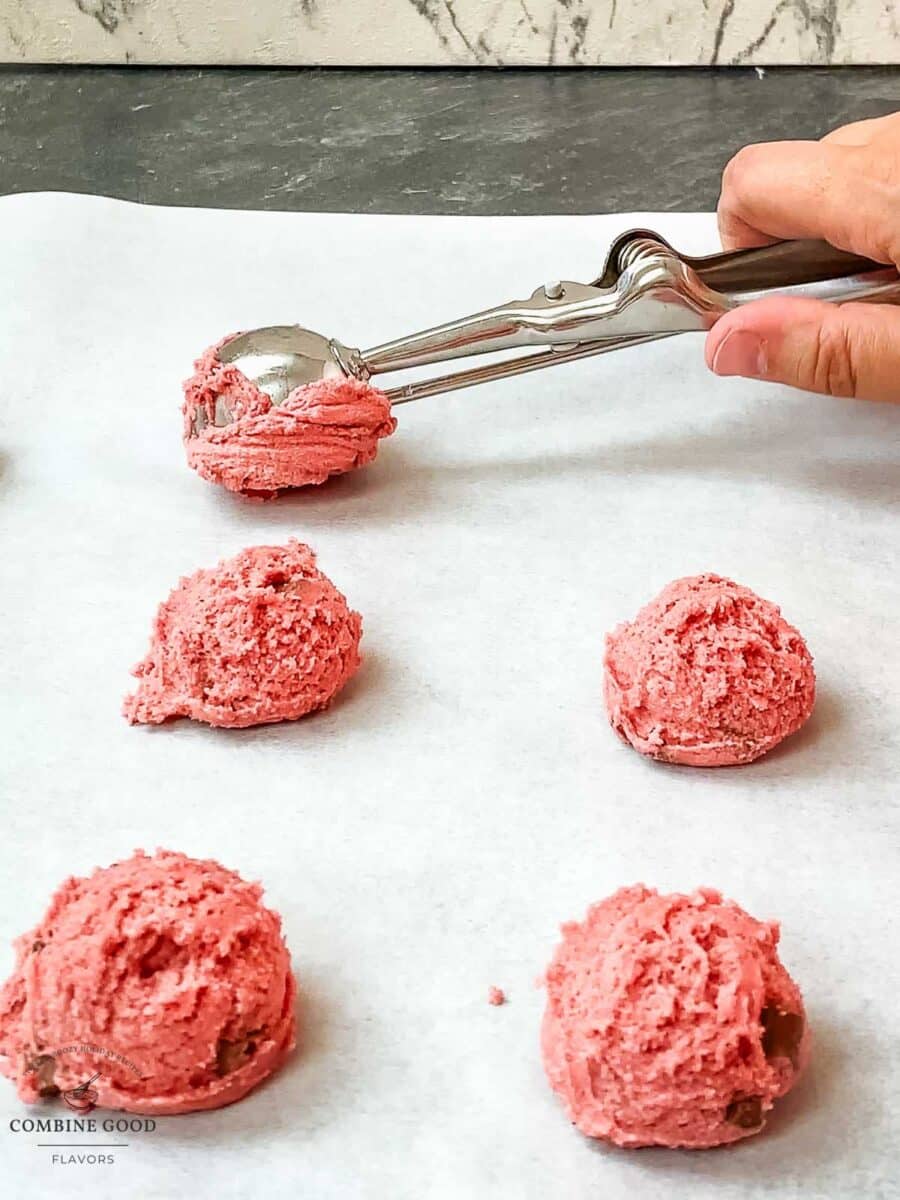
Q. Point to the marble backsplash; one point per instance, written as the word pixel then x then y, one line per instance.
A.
pixel 452 32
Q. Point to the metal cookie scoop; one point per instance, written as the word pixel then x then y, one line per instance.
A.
pixel 646 291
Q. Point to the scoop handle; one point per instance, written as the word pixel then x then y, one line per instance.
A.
pixel 646 288
pixel 782 265
pixel 718 282
pixel 647 291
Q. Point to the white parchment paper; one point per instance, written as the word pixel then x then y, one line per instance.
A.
pixel 424 838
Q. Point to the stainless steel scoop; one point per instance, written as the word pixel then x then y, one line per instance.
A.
pixel 646 291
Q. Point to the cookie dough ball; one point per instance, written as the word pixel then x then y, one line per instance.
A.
pixel 670 1020
pixel 322 429
pixel 262 637
pixel 163 976
pixel 708 674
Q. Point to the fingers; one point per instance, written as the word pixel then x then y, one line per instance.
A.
pixel 762 186
pixel 837 349
pixel 809 189
pixel 845 189
pixel 859 133
pixel 863 133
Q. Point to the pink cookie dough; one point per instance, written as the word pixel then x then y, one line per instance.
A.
pixel 670 1020
pixel 323 429
pixel 708 674
pixel 165 974
pixel 262 637
pixel 496 996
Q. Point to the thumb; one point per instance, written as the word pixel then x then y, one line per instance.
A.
pixel 837 349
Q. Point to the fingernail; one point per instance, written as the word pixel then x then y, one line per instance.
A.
pixel 741 353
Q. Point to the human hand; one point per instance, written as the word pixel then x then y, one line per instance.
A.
pixel 845 189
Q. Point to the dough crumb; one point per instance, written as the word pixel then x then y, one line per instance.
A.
pixel 496 996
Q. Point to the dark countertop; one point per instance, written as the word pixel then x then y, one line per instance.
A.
pixel 452 141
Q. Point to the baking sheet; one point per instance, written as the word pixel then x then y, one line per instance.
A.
pixel 424 838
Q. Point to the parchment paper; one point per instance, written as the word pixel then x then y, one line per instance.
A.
pixel 424 838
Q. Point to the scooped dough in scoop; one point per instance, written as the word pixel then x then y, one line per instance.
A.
pixel 162 981
pixel 322 429
pixel 708 674
pixel 262 637
pixel 670 1020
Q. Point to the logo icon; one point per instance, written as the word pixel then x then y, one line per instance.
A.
pixel 82 1098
